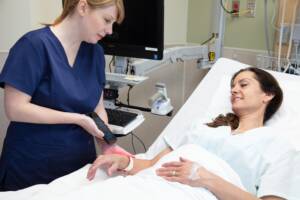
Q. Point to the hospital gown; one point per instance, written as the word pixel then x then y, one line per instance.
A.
pixel 262 158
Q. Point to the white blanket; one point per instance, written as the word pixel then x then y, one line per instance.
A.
pixel 145 185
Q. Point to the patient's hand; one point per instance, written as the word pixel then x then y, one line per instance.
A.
pixel 112 163
pixel 183 171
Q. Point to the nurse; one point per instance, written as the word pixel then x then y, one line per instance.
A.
pixel 51 78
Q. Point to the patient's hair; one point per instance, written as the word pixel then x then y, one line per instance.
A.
pixel 268 84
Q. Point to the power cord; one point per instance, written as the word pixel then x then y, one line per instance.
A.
pixel 128 94
pixel 120 104
pixel 229 12
pixel 127 66
pixel 132 142
pixel 213 36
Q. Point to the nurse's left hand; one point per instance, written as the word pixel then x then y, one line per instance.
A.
pixel 90 126
pixel 183 171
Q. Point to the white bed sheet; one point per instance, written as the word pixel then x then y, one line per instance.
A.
pixel 143 185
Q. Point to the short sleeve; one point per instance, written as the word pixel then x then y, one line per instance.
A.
pixel 23 67
pixel 282 177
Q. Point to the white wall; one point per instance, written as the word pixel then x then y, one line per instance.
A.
pixel 176 18
pixel 43 12
pixel 20 16
pixel 14 21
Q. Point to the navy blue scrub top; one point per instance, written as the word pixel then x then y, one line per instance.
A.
pixel 38 66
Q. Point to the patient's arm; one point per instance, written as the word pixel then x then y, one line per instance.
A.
pixel 224 190
pixel 115 162
pixel 221 188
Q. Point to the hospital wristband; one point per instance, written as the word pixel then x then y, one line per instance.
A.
pixel 130 165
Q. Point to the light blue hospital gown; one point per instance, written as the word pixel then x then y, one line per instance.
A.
pixel 264 162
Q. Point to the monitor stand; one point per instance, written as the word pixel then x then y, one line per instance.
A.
pixel 120 78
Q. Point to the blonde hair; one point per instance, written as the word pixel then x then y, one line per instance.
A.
pixel 70 5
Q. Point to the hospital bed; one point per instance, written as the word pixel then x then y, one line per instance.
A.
pixel 210 98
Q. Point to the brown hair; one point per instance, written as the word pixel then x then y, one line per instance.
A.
pixel 70 5
pixel 268 84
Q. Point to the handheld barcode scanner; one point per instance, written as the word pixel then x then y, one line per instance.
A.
pixel 108 137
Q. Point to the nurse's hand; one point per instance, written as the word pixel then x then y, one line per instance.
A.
pixel 183 171
pixel 111 163
pixel 89 125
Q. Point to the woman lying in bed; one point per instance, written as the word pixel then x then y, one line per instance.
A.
pixel 262 161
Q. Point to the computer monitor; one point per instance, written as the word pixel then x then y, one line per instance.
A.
pixel 141 34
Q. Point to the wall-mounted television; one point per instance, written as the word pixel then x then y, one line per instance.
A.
pixel 141 34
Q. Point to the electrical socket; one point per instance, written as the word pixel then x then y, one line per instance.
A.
pixel 251 7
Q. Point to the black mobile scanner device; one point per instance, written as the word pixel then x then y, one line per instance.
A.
pixel 108 137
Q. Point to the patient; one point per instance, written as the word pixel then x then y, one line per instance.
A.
pixel 262 161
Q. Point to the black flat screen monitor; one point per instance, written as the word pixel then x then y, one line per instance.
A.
pixel 141 34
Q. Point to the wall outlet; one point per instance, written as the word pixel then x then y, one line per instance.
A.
pixel 251 7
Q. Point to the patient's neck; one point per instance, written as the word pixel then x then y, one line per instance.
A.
pixel 249 121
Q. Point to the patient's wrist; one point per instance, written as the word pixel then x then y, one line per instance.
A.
pixel 194 171
pixel 207 180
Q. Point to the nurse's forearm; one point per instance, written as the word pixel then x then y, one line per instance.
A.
pixel 100 110
pixel 18 107
pixel 32 113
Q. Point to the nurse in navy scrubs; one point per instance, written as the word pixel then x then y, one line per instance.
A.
pixel 51 78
